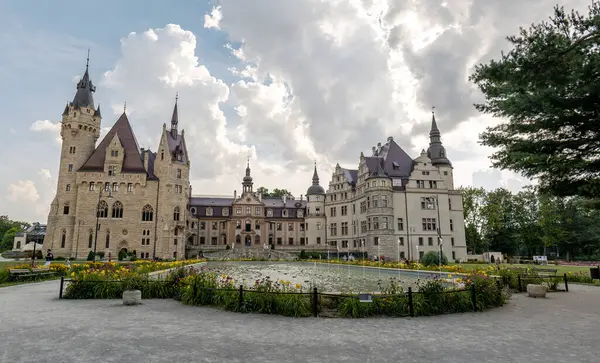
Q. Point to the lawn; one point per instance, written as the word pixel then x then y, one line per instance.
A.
pixel 561 269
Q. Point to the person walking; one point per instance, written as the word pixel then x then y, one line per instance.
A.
pixel 49 258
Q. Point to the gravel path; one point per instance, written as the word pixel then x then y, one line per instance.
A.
pixel 37 327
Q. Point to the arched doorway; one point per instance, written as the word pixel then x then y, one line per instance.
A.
pixel 248 241
pixel 123 254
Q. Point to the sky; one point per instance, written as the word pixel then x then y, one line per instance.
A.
pixel 285 83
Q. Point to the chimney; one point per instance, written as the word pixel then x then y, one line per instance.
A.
pixel 235 194
pixel 259 196
pixel 390 139
pixel 284 199
pixel 378 144
pixel 301 197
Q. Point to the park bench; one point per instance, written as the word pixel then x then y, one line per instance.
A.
pixel 23 273
pixel 537 271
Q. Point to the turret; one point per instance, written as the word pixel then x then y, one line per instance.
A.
pixel 247 181
pixel 436 151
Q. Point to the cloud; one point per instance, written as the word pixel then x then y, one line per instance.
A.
pixel 212 20
pixel 47 126
pixel 45 174
pixel 23 191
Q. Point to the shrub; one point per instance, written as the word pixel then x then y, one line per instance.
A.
pixel 90 256
pixel 302 255
pixel 432 258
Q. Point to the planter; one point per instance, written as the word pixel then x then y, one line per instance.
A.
pixel 536 290
pixel 132 297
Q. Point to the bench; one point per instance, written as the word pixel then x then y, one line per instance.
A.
pixel 542 272
pixel 21 273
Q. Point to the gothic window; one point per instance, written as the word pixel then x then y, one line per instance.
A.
pixel 102 210
pixel 107 238
pixel 147 213
pixel 117 210
pixel 115 187
pixel 176 214
pixel 90 238
pixel 63 239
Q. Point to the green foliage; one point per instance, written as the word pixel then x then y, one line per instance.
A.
pixel 432 258
pixel 303 255
pixel 8 230
pixel 275 193
pixel 90 256
pixel 546 92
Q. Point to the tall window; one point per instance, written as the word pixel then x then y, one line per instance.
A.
pixel 90 239
pixel 92 186
pixel 176 214
pixel 147 213
pixel 117 210
pixel 451 225
pixel 400 224
pixel 178 173
pixel 107 238
pixel 63 239
pixel 68 188
pixel 102 210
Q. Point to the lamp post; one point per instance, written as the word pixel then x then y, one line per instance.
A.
pixel 98 217
pixel 439 230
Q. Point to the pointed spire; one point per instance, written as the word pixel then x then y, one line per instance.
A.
pixel 66 111
pixel 436 151
pixel 247 181
pixel 97 113
pixel 175 117
pixel 315 178
pixel 434 127
pixel 85 88
pixel 125 107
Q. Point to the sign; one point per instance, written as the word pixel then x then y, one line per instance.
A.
pixel 365 298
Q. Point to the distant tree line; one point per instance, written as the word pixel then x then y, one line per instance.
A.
pixel 531 223
pixel 8 230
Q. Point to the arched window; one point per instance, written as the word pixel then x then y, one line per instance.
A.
pixel 90 239
pixel 102 209
pixel 117 210
pixel 18 244
pixel 147 213
pixel 176 214
pixel 63 239
pixel 107 238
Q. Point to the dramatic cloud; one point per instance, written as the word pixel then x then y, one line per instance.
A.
pixel 309 80
pixel 23 191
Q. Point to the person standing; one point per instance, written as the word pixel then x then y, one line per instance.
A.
pixel 49 258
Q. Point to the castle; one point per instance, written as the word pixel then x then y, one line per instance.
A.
pixel 116 197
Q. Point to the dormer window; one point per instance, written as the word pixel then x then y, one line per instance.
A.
pixel 114 153
pixel 179 157
pixel 395 165
pixel 112 170
pixel 269 212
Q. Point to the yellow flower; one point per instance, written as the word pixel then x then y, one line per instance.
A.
pixel 298 286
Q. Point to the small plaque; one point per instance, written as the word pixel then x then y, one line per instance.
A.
pixel 365 298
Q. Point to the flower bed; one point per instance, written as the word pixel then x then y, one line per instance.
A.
pixel 206 287
pixel 96 280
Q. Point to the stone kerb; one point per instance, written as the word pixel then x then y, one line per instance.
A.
pixel 158 275
pixel 132 297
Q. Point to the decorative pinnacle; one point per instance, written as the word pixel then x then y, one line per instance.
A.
pixel 124 106
pixel 87 62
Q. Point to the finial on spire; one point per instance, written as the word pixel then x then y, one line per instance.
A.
pixel 176 96
pixel 433 110
pixel 248 161
pixel 87 61
pixel 124 106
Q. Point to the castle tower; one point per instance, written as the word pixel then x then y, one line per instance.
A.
pixel 80 128
pixel 172 167
pixel 247 182
pixel 437 153
pixel 315 216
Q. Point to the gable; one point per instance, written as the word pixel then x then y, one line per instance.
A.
pixel 132 159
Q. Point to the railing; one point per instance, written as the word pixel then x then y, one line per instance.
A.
pixel 553 282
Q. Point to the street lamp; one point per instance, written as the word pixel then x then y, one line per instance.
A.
pixel 98 216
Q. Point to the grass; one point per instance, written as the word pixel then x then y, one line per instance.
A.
pixel 560 269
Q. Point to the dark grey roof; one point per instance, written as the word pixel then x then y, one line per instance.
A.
pixel 66 111
pixel 218 204
pixel 379 172
pixel 436 151
pixel 151 159
pixel 176 145
pixel 315 188
pixel 174 120
pixel 132 160
pixel 392 159
pixel 84 96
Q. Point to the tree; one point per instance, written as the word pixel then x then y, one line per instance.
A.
pixel 472 204
pixel 8 230
pixel 547 89
pixel 275 193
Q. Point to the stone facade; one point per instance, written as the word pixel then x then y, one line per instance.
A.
pixel 115 197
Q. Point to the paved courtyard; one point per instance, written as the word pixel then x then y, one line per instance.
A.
pixel 37 327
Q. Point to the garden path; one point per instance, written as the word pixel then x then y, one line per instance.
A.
pixel 37 327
